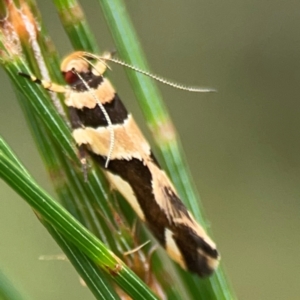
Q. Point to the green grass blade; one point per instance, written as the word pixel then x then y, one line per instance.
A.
pixel 59 135
pixel 74 22
pixel 160 124
pixel 87 269
pixel 8 291
pixel 57 148
pixel 171 291
pixel 93 277
pixel 46 208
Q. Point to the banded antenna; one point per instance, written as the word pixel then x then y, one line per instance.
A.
pixel 108 57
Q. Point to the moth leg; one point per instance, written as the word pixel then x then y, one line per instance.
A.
pixel 48 85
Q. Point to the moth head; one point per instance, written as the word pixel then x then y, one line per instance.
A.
pixel 82 63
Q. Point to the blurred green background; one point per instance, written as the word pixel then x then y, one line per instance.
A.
pixel 242 143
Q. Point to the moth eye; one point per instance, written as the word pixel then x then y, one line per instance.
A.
pixel 70 77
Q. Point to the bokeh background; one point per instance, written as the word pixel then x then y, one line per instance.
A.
pixel 242 143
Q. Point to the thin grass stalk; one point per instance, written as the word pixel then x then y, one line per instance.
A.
pixel 89 271
pixel 49 210
pixel 41 107
pixel 76 26
pixel 167 141
pixel 96 280
pixel 170 147
pixel 64 140
pixel 79 38
pixel 8 291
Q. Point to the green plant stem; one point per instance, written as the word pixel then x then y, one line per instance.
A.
pixel 8 291
pixel 155 112
pixel 53 213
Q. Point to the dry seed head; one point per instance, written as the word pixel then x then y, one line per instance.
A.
pixel 21 19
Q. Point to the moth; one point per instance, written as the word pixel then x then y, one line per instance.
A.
pixel 103 128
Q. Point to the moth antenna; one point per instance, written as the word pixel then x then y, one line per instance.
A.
pixel 153 76
pixel 106 116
